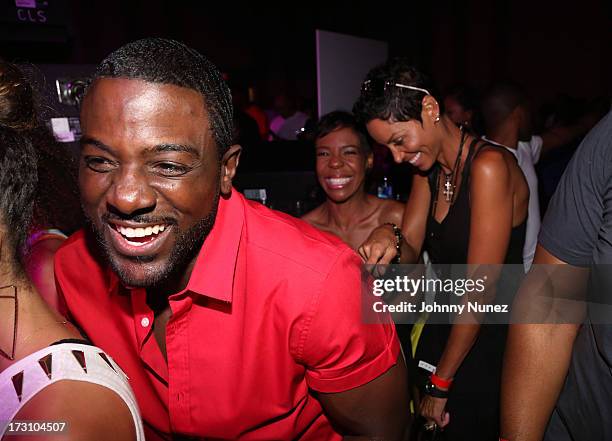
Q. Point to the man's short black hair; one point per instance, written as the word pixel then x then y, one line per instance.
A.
pixel 500 100
pixel 395 103
pixel 342 120
pixel 159 60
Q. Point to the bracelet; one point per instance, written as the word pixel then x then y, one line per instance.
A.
pixel 433 391
pixel 399 237
pixel 441 382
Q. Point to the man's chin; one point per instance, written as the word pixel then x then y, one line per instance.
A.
pixel 141 272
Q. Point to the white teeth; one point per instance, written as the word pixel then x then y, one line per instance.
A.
pixel 136 244
pixel 338 181
pixel 415 159
pixel 139 232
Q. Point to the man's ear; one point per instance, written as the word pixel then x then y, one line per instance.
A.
pixel 430 109
pixel 229 164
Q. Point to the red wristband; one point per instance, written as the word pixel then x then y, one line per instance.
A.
pixel 440 382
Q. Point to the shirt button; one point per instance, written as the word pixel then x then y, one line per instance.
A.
pixel 144 322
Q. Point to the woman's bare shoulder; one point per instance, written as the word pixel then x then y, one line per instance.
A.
pixel 91 412
pixel 315 216
pixel 391 211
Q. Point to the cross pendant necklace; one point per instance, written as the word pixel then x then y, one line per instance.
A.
pixel 449 188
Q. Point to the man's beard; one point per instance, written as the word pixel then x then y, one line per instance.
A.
pixel 186 247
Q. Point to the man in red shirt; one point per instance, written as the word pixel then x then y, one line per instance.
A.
pixel 232 321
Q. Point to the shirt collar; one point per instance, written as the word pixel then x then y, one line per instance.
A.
pixel 214 272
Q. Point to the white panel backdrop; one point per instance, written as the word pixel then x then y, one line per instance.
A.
pixel 342 63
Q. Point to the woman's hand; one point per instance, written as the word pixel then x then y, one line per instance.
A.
pixel 434 409
pixel 380 246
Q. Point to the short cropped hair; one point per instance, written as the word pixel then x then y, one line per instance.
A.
pixel 499 101
pixel 395 103
pixel 342 120
pixel 159 60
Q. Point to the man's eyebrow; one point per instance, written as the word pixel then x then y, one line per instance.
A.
pixel 94 142
pixel 170 147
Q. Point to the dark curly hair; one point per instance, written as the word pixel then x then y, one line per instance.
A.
pixel 159 60
pixel 395 103
pixel 18 176
pixel 340 119
pixel 57 202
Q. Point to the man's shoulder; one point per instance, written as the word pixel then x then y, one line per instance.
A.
pixel 289 241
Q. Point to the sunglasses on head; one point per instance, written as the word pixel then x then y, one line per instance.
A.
pixel 380 86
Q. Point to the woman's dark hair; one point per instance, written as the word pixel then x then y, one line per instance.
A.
pixel 18 176
pixel 57 203
pixel 340 120
pixel 382 100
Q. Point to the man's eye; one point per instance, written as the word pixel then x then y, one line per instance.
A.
pixel 170 169
pixel 322 153
pixel 99 164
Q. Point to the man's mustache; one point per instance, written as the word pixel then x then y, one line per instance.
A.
pixel 139 219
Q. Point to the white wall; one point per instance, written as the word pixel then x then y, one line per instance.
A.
pixel 342 64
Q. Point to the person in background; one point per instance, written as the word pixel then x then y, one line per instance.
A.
pixel 508 122
pixel 289 122
pixel 47 371
pixel 343 159
pixel 468 205
pixel 461 106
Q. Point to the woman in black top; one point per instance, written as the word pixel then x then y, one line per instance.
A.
pixel 468 205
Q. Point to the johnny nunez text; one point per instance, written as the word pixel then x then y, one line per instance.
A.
pixel 437 307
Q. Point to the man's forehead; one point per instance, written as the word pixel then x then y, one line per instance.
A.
pixel 136 91
pixel 158 113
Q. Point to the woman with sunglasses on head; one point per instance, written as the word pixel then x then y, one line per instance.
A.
pixel 52 381
pixel 343 159
pixel 468 205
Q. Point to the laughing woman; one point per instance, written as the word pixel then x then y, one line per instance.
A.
pixel 468 205
pixel 343 158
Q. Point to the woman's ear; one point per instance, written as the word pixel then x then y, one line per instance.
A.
pixel 369 161
pixel 430 109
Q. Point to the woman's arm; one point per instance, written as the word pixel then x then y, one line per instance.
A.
pixel 379 248
pixel 491 208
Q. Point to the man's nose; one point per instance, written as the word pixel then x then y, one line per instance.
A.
pixel 131 192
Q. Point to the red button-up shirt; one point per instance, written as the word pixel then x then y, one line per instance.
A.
pixel 272 311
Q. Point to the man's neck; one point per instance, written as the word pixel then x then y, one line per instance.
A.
pixel 504 134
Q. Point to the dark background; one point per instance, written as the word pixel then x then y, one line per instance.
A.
pixel 550 47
